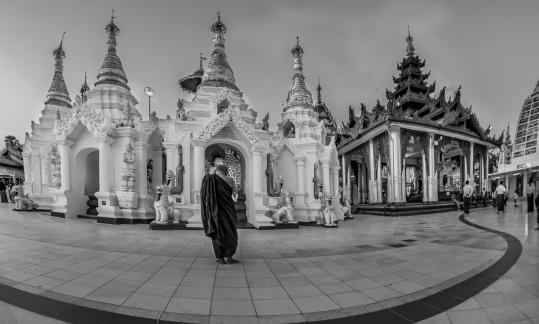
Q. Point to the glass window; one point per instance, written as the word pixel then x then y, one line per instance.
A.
pixel 535 111
pixel 531 144
pixel 520 140
pixel 531 137
pixel 533 123
pixel 522 133
pixel 517 154
pixel 522 127
pixel 519 147
pixel 534 117
pixel 531 151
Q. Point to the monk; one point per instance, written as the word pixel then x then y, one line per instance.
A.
pixel 219 218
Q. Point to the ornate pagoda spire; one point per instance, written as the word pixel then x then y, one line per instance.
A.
pixel 218 73
pixel 58 94
pixel 84 88
pixel 299 94
pixel 409 47
pixel 111 71
pixel 318 93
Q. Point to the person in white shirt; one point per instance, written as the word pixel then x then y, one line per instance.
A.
pixel 467 192
pixel 500 197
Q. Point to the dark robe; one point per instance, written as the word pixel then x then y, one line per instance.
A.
pixel 530 203
pixel 219 218
pixel 500 202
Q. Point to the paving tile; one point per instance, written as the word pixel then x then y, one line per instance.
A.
pixel 351 299
pixel 189 306
pixel 151 302
pixel 315 304
pixel 156 289
pixel 231 293
pixel 74 289
pixel 380 293
pixel 232 307
pixel 283 306
pixel 268 293
pixel 529 308
pixel 303 291
pixel 505 314
pixel 194 292
pixel 472 316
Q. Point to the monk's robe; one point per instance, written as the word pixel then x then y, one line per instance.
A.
pixel 219 218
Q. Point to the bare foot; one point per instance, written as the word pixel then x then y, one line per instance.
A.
pixel 230 260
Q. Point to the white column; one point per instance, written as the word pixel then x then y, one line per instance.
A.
pixel 525 182
pixel 45 172
pixel 335 174
pixel 142 161
pixel 64 148
pixel 343 173
pixel 257 171
pixel 198 163
pixel 471 164
pixel 395 142
pixel 300 168
pixel 104 164
pixel 36 172
pixel 325 176
pixel 27 162
pixel 157 177
pixel 373 190
pixel 424 176
pixel 432 187
pixel 172 154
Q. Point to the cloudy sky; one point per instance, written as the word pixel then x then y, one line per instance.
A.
pixel 490 47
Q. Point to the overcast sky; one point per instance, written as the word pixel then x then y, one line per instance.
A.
pixel 490 47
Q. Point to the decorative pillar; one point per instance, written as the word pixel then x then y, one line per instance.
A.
pixel 172 156
pixel 104 164
pixel 424 176
pixel 525 183
pixel 45 172
pixel 396 162
pixel 507 182
pixel 64 148
pixel 471 164
pixel 36 172
pixel 198 168
pixel 372 183
pixel 300 168
pixel 335 172
pixel 27 162
pixel 157 177
pixel 257 171
pixel 325 176
pixel 378 187
pixel 432 181
pixel 142 173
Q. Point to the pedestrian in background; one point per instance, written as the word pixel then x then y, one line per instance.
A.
pixel 530 192
pixel 467 192
pixel 500 197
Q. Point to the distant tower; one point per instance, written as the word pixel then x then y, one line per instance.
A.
pixel 84 88
pixel 299 94
pixel 111 71
pixel 58 94
pixel 411 89
pixel 218 72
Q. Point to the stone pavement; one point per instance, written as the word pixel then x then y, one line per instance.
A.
pixel 307 274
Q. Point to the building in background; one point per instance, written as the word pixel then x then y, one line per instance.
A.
pixel 519 160
pixel 419 147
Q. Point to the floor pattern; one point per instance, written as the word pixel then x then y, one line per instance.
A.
pixel 310 274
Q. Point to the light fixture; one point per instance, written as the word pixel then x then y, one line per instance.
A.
pixel 150 93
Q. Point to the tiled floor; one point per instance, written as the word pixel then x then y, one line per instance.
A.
pixel 310 273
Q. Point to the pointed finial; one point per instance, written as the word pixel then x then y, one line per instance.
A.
pixel 410 47
pixel 319 92
pixel 218 27
pixel 111 27
pixel 297 40
pixel 219 16
pixel 59 53
pixel 112 17
pixel 202 58
pixel 62 41
pixel 297 48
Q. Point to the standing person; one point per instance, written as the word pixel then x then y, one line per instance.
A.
pixel 484 195
pixel 219 218
pixel 500 197
pixel 515 197
pixel 537 208
pixel 467 192
pixel 530 192
pixel 3 195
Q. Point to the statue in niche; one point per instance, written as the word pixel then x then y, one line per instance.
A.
pixel 128 117
pixel 181 114
pixel 317 184
pixel 149 173
pixel 272 192
pixel 285 210
pixel 180 170
pixel 161 206
pixel 265 122
pixel 128 169
pixel 55 168
pixel 291 132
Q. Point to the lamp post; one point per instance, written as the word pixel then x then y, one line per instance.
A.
pixel 150 93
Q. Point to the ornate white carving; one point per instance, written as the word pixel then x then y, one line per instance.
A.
pixel 230 115
pixel 93 119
